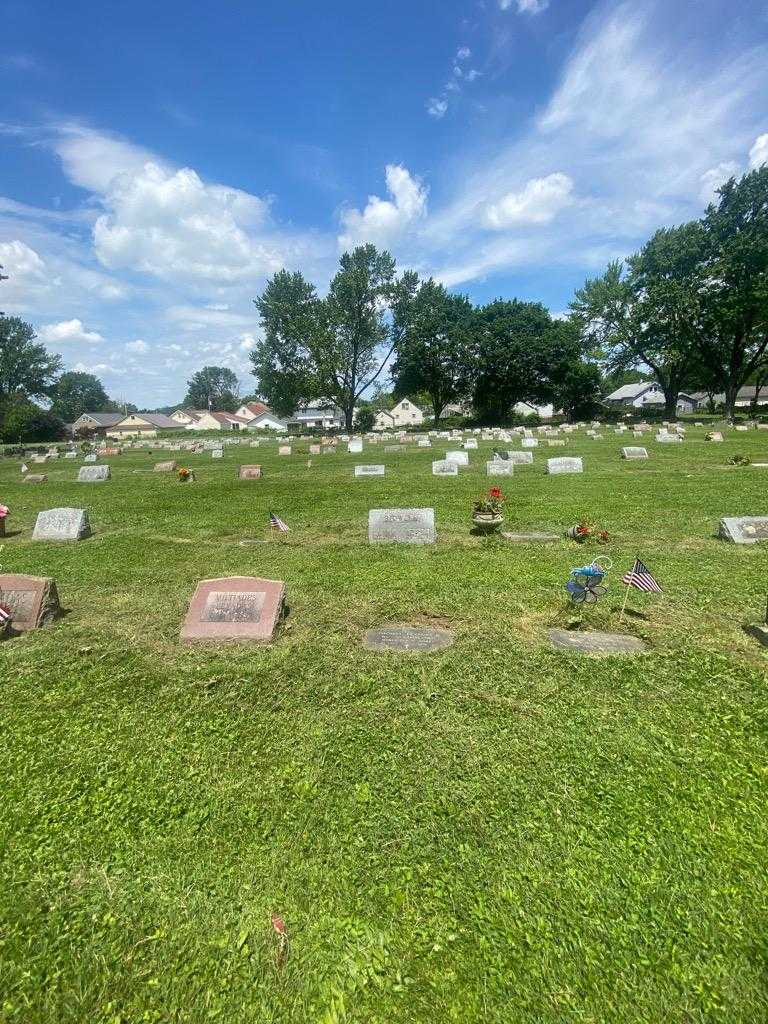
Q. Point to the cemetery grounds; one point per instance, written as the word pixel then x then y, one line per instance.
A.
pixel 498 832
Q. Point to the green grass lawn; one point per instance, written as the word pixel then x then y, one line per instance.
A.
pixel 499 832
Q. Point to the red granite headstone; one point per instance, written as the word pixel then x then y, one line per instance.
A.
pixel 234 608
pixel 33 600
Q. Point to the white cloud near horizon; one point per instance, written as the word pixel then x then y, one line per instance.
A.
pixel 69 331
pixel 383 220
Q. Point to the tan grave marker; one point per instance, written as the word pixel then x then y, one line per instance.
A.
pixel 234 609
pixel 249 473
pixel 164 467
pixel 35 478
pixel 33 600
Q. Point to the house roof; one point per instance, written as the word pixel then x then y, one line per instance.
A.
pixel 630 390
pixel 748 391
pixel 228 417
pixel 257 408
pixel 156 419
pixel 104 419
pixel 268 415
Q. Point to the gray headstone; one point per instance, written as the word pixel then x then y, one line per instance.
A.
pixel 217 453
pixel 634 453
pixel 498 467
pixel 164 467
pixel 744 529
pixel 529 442
pixel 592 642
pixel 520 458
pixel 35 478
pixel 355 446
pixel 461 458
pixel 392 448
pixel 62 524
pixel 401 526
pixel 566 464
pixel 444 468
pixel 70 455
pixel 369 471
pixel 412 639
pixel 93 474
pixel 91 457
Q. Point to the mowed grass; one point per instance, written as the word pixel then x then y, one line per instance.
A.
pixel 500 832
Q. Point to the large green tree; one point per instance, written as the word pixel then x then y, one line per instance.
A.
pixel 76 393
pixel 283 361
pixel 334 348
pixel 434 351
pixel 650 312
pixel 513 340
pixel 23 421
pixel 27 369
pixel 213 387
pixel 734 344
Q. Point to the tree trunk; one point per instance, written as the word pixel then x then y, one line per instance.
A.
pixel 670 403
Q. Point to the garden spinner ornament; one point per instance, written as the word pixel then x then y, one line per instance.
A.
pixel 586 583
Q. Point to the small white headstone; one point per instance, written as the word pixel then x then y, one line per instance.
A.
pixel 369 471
pixel 499 467
pixel 445 468
pixel 634 453
pixel 564 464
pixel 401 526
pixel 459 457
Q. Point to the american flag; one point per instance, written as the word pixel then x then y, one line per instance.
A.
pixel 5 615
pixel 276 523
pixel 639 577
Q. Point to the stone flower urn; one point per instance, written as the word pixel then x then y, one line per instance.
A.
pixel 487 522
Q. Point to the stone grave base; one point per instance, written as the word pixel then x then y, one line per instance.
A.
pixel 407 639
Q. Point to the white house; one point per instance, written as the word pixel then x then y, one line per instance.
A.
pixel 319 414
pixel 218 421
pixel 647 393
pixel 404 414
pixel 186 417
pixel 267 421
pixel 96 421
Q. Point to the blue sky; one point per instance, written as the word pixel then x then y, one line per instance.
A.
pixel 158 162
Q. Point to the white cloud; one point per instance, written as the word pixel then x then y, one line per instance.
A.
pixel 93 159
pixel 758 155
pixel 383 219
pixel 712 179
pixel 139 346
pixel 69 331
pixel 463 53
pixel 538 202
pixel 436 107
pixel 525 6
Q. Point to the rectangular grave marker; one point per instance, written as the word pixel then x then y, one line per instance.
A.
pixel 93 474
pixel 401 526
pixel 249 473
pixel 445 468
pixel 634 453
pixel 499 467
pixel 564 465
pixel 369 471
pixel 235 608
pixel 744 529
pixel 62 524
pixel 461 458
pixel 33 600
pixel 164 467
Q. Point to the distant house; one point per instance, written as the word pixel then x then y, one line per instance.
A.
pixel 267 421
pixel 97 421
pixel 250 410
pixel 186 417
pixel 404 414
pixel 647 393
pixel 744 397
pixel 323 415
pixel 142 424
pixel 218 421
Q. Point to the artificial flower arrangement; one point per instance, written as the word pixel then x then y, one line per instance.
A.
pixel 488 510
pixel 185 475
pixel 4 513
pixel 585 530
pixel 739 460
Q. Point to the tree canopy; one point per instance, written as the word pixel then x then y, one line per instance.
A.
pixel 214 387
pixel 27 369
pixel 76 393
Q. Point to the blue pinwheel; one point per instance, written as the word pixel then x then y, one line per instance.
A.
pixel 586 583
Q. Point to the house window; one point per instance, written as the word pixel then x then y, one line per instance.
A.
pixel 405 405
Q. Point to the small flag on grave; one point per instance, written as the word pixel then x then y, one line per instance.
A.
pixel 5 616
pixel 276 523
pixel 639 577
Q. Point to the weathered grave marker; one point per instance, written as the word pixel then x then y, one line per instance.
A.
pixel 592 642
pixel 249 473
pixel 565 464
pixel 33 600
pixel 744 529
pixel 461 458
pixel 369 471
pixel 93 474
pixel 445 468
pixel 62 524
pixel 410 639
pixel 634 453
pixel 499 467
pixel 164 467
pixel 35 478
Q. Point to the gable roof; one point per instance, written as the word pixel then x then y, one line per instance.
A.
pixel 104 419
pixel 630 390
pixel 268 415
pixel 228 417
pixel 257 408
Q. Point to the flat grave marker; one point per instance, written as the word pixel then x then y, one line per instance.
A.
pixel 401 526
pixel 284 449
pixel 499 467
pixel 249 473
pixel 369 471
pixel 164 467
pixel 520 458
pixel 593 642
pixel 442 467
pixel 634 453
pixel 529 442
pixel 461 458
pixel 35 478
pixel 407 639
pixel 62 524
pixel 234 609
pixel 534 537
pixel 744 529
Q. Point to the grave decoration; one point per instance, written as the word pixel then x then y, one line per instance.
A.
pixel 185 476
pixel 586 583
pixel 277 524
pixel 739 460
pixel 640 578
pixel 4 513
pixel 488 511
pixel 586 530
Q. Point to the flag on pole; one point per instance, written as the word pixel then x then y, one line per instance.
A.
pixel 5 615
pixel 276 523
pixel 640 578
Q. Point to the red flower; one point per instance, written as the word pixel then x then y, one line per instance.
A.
pixel 495 492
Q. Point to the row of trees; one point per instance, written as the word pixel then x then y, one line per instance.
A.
pixel 691 308
pixel 692 305
pixel 29 373
pixel 429 340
